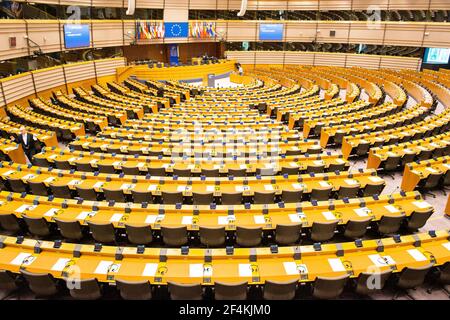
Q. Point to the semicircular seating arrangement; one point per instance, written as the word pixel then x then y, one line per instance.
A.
pixel 274 188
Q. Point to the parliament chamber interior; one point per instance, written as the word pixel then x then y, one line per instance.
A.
pixel 225 150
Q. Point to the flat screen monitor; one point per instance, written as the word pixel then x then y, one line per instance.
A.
pixel 77 36
pixel 271 31
pixel 436 56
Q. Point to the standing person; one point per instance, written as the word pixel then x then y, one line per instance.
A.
pixel 28 142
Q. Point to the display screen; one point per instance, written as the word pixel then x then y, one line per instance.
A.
pixel 271 31
pixel 77 36
pixel 436 55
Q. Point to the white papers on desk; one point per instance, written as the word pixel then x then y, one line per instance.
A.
pixel 116 163
pixel 127 186
pixel 51 212
pixel 391 208
pixel 150 219
pixel 98 185
pixel 210 188
pixel 340 161
pixel 7 173
pixel 196 270
pixel 245 270
pixel 431 170
pixel 107 266
pixel 268 187
pixel 362 212
pixel 83 215
pixel 152 187
pixel 446 245
pixel 421 204
pixel 375 179
pixel 243 166
pixel 417 255
pixel 329 215
pixel 378 260
pixel 351 182
pixel 259 219
pixel 150 269
pixel 28 176
pixel 183 188
pixel 186 220
pixel 141 164
pixel 318 162
pixel 93 161
pixel 242 188
pixel 297 186
pixel 293 164
pixel 293 268
pixel 74 182
pixel 53 156
pixel 324 184
pixel 49 179
pixel 23 258
pixel 294 217
pixel 25 207
pixel 60 264
pixel 336 264
pixel 116 217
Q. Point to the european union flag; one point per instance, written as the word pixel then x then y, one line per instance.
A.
pixel 176 29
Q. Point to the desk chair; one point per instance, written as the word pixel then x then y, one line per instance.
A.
pixel 441 277
pixel 212 236
pixel 114 194
pixel 17 185
pixel 248 236
pixel 40 162
pixel 291 196
pixel 280 290
pixel 134 290
pixel 348 192
pixel 70 229
pixel 231 198
pixel 263 197
pixel 113 149
pixel 130 170
pixel 142 196
pixel 288 234
pixel 373 188
pixel 430 182
pixel 139 234
pixel 376 280
pixel 410 278
pixel 172 197
pixel 315 149
pixel 102 232
pixel 333 167
pixel 89 289
pixel 230 291
pixel 9 222
pixel 355 229
pixel 38 188
pixel 329 287
pixel 84 167
pixel 289 170
pixel 86 193
pixel 391 164
pixel 182 172
pixel 181 291
pixel 202 198
pixel 42 284
pixel 37 226
pixel 418 219
pixel 338 136
pixel 237 172
pixel 407 158
pixel 323 231
pixel 389 224
pixel 315 168
pixel 210 172
pixel 321 194
pixel 61 191
pixel 8 283
pixel 106 168
pixel 362 149
pixel 174 236
pixel 157 172
pixel 62 165
pixel 424 155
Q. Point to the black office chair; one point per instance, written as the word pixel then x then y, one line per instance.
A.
pixel 42 284
pixel 70 229
pixel 102 232
pixel 139 234
pixel 131 290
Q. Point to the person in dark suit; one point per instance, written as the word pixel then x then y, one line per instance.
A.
pixel 28 142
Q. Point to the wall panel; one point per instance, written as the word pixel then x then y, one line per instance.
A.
pixel 17 87
pixel 48 78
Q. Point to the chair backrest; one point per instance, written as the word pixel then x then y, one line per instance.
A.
pixel 141 234
pixel 84 167
pixel 70 229
pixel 130 290
pixel 61 191
pixel 172 197
pixel 102 232
pixel 230 291
pixel 234 198
pixel 212 236
pixel 210 172
pixel 182 291
pixel 264 197
pixel 362 149
pixel 336 167
pixel 392 162
pixel 418 219
pixel 142 196
pixel 182 172
pixel 130 170
pixel 280 290
pixel 348 192
pixel 106 168
pixel 174 236
pixel 323 231
pixel 200 198
pixel 237 172
pixel 7 281
pixel 315 168
pixel 157 172
pixel 89 289
pixel 291 196
pixel 356 228
pixel 444 273
pixel 38 188
pixel 248 236
pixel 86 193
pixel 368 283
pixel 389 224
pixel 286 234
pixel 321 194
pixel 289 170
pixel 411 277
pixel 114 194
pixel 42 284
pixel 432 181
pixel 329 288
pixel 373 188
pixel 37 226
pixel 17 185
pixel 9 222
pixel 62 164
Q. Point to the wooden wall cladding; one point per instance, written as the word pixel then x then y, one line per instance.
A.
pixel 17 87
